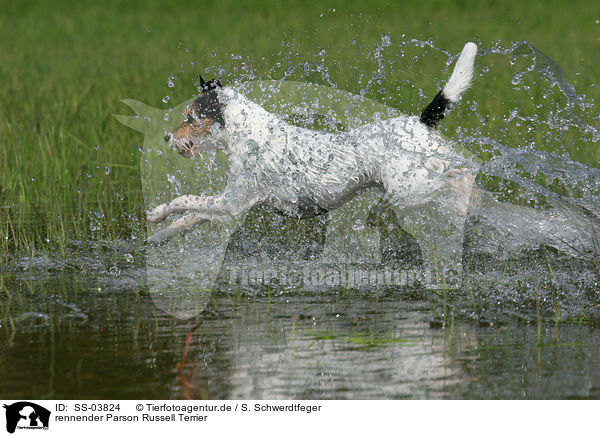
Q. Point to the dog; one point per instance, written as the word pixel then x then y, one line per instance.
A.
pixel 302 172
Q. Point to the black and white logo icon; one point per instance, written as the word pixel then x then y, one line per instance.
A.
pixel 26 415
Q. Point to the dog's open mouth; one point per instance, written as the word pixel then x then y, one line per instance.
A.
pixel 192 147
pixel 187 149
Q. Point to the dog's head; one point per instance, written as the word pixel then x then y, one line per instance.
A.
pixel 203 119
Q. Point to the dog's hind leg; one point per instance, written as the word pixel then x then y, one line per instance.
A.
pixel 438 227
pixel 436 219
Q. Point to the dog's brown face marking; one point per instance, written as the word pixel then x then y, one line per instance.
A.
pixel 188 137
pixel 198 129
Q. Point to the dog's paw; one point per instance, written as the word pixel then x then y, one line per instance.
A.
pixel 158 214
pixel 154 240
pixel 159 237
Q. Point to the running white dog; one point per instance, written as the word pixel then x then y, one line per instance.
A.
pixel 302 172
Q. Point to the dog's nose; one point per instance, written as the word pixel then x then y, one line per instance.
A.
pixel 167 138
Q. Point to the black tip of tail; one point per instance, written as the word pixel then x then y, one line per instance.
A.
pixel 434 112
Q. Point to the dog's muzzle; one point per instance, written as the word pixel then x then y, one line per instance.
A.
pixel 184 150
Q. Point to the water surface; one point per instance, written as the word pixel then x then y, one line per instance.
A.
pixel 69 334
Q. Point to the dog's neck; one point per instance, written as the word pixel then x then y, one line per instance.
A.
pixel 247 124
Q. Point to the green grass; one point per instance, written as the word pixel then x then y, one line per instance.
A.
pixel 69 170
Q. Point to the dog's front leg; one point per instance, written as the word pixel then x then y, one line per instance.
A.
pixel 228 206
pixel 214 206
pixel 177 227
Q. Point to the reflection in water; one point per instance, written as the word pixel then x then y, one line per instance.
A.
pixel 66 338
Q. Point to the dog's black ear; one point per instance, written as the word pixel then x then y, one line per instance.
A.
pixel 207 86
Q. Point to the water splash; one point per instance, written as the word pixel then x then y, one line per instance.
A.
pixel 539 204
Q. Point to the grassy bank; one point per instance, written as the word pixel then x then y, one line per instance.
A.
pixel 68 170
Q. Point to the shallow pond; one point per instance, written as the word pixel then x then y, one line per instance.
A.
pixel 95 332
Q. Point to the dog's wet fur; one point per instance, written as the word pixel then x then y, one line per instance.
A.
pixel 301 172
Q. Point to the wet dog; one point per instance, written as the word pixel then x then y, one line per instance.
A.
pixel 302 172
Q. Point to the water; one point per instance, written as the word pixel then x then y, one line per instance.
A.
pixel 282 323
pixel 75 336
pixel 86 326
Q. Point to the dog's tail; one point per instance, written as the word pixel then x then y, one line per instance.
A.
pixel 459 82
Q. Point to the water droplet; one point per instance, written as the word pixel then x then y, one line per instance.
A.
pixel 97 214
pixel 166 117
pixel 128 257
pixel 166 99
pixel 106 170
pixel 386 40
